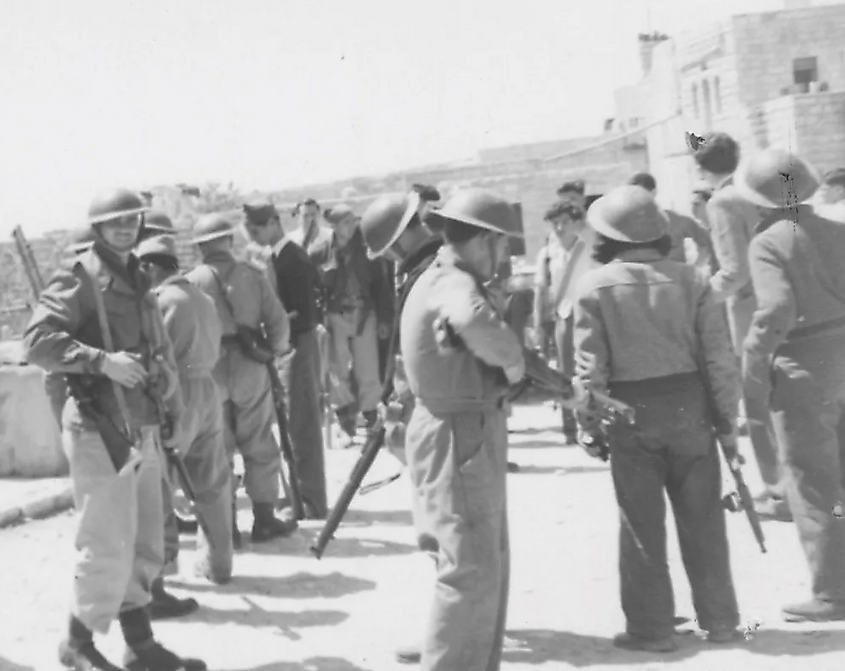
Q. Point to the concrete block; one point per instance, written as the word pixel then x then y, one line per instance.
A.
pixel 30 440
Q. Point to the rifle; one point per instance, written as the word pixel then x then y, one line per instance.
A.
pixel 291 485
pixel 118 443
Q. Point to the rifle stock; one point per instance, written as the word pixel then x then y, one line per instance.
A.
pixel 291 484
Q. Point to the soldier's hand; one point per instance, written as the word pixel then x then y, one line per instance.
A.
pixel 730 448
pixel 123 368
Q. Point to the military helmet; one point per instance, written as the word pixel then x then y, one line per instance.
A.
pixel 481 208
pixel 386 219
pixel 114 204
pixel 211 227
pixel 776 178
pixel 628 214
pixel 157 222
pixel 160 245
pixel 80 240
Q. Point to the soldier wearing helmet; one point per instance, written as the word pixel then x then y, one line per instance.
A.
pixel 245 300
pixel 195 330
pixel 732 221
pixel 295 280
pixel 793 360
pixel 117 488
pixel 156 223
pixel 460 356
pixel 647 330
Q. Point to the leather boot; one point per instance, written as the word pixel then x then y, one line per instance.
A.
pixel 77 651
pixel 266 526
pixel 144 653
pixel 165 605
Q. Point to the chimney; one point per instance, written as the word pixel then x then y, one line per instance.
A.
pixel 647 43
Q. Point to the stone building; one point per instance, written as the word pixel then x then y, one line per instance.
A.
pixel 769 79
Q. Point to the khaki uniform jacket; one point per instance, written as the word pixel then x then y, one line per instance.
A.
pixel 64 333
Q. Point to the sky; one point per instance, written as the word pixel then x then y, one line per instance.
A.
pixel 274 94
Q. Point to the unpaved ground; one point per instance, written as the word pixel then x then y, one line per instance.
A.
pixel 286 610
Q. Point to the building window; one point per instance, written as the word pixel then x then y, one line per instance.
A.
pixel 805 70
pixel 717 95
pixel 695 100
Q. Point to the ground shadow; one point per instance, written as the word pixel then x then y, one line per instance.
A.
pixel 529 469
pixel 284 622
pixel 353 548
pixel 365 518
pixel 310 664
pixel 796 643
pixel 300 585
pixel 8 665
pixel 535 430
pixel 545 442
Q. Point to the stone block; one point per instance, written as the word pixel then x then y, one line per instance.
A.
pixel 30 440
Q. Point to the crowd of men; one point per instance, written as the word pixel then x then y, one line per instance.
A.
pixel 679 317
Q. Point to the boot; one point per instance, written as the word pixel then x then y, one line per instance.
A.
pixel 236 533
pixel 815 610
pixel 347 417
pixel 144 653
pixel 266 526
pixel 166 605
pixel 77 651
pixel 370 417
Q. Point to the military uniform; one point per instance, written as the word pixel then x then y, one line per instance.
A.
pixel 795 360
pixel 456 447
pixel 195 330
pixel 243 296
pixel 648 331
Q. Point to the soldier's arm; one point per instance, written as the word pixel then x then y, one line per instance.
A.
pixel 49 342
pixel 166 360
pixel 274 317
pixel 719 361
pixel 696 232
pixel 541 287
pixel 592 352
pixel 774 317
pixel 478 325
pixel 383 293
pixel 728 235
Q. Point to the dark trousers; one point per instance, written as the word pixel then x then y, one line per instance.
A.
pixel 565 345
pixel 807 410
pixel 671 450
pixel 302 380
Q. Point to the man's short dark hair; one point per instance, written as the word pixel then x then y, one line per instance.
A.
pixel 305 203
pixel 427 192
pixel 718 153
pixel 558 210
pixel 573 186
pixel 164 261
pixel 835 178
pixel 645 180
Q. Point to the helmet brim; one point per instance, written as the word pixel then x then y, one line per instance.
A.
pixel 596 220
pixel 749 193
pixel 407 216
pixel 208 237
pixel 117 215
pixel 445 215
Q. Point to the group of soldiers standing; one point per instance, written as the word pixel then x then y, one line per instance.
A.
pixel 173 361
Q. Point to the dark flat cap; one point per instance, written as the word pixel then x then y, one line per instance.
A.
pixel 574 186
pixel 558 210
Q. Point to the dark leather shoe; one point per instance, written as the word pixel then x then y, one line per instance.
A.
pixel 84 657
pixel 513 467
pixel 153 656
pixel 267 526
pixel 409 655
pixel 815 610
pixel 165 605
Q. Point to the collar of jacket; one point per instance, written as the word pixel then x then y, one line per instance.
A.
pixel 772 217
pixel 177 278
pixel 422 251
pixel 129 274
pixel 639 256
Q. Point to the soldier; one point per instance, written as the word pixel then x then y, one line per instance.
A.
pixel 794 360
pixel 732 221
pixel 648 331
pixel 156 223
pixel 681 227
pixel 116 489
pixel 296 280
pixel 190 317
pixel 312 237
pixel 246 304
pixel 459 357
pixel 359 312
pixel 559 268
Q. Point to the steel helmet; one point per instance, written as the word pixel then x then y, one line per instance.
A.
pixel 628 214
pixel 157 222
pixel 80 240
pixel 481 208
pixel 386 219
pixel 211 227
pixel 115 204
pixel 160 245
pixel 776 178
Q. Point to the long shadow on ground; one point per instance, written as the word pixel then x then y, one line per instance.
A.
pixel 300 585
pixel 540 646
pixel 310 664
pixel 529 469
pixel 365 518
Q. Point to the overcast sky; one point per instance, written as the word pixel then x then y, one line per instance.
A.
pixel 268 94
